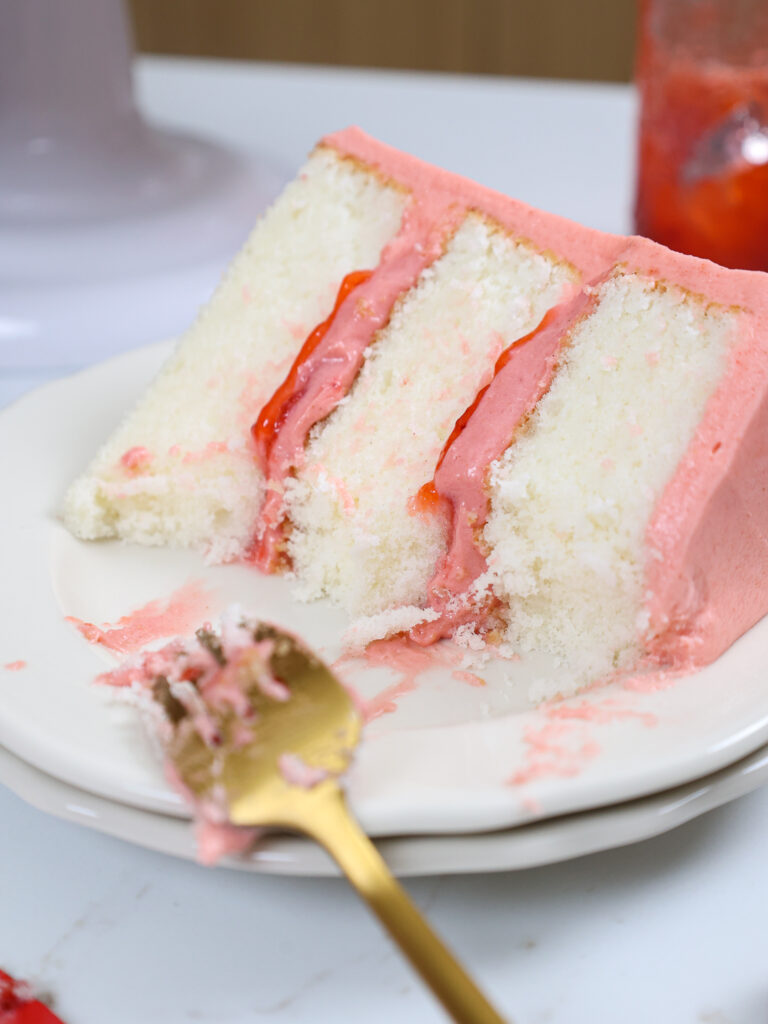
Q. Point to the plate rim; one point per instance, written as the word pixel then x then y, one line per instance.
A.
pixel 518 848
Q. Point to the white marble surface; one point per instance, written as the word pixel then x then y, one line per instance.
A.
pixel 670 930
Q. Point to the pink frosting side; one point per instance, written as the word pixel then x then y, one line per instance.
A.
pixel 708 540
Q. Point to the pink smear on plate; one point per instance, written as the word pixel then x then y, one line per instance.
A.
pixel 602 712
pixel 564 745
pixel 15 666
pixel 555 749
pixel 181 613
pixel 409 660
pixel 468 677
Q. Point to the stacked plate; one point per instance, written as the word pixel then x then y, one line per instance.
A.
pixel 452 775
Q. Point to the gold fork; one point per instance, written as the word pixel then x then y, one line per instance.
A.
pixel 316 729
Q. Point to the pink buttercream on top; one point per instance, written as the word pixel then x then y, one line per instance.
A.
pixel 14 666
pixel 179 613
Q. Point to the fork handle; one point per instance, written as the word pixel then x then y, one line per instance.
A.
pixel 330 823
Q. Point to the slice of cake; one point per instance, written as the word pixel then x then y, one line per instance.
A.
pixel 180 469
pixel 520 428
pixel 616 509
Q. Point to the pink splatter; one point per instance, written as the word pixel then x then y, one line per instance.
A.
pixel 15 666
pixel 557 749
pixel 531 805
pixel 468 677
pixel 182 612
pixel 607 465
pixel 385 703
pixel 601 712
pixel 652 358
pixel 136 460
pixel 409 661
pixel 609 362
pixel 563 746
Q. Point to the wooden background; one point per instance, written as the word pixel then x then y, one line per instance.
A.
pixel 581 39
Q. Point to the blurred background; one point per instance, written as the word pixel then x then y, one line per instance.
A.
pixel 576 39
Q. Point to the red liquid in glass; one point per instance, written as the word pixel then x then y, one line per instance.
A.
pixel 703 159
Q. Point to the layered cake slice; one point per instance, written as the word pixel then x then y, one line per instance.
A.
pixel 180 469
pixel 612 508
pixel 492 422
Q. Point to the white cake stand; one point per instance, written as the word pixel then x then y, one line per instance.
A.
pixel 101 214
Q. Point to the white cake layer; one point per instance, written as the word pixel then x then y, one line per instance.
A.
pixel 199 486
pixel 572 497
pixel 356 536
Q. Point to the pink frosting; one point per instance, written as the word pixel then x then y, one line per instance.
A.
pixel 179 613
pixel 708 539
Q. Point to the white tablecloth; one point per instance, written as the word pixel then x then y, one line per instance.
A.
pixel 672 930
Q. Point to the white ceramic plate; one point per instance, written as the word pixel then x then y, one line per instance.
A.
pixel 451 758
pixel 527 846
